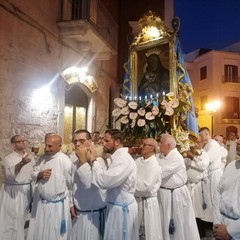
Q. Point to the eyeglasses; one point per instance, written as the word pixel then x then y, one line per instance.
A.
pixel 21 141
pixel 82 141
pixel 145 144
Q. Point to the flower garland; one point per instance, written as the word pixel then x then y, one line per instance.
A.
pixel 147 117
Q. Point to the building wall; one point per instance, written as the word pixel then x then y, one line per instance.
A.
pixel 32 56
pixel 214 88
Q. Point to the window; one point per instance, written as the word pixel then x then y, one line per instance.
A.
pixel 231 108
pixel 203 73
pixel 203 101
pixel 230 73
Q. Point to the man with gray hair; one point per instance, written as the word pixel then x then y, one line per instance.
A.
pixel 148 182
pixel 178 219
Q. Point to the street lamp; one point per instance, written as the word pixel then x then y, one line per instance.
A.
pixel 212 107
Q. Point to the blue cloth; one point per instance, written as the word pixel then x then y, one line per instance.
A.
pixel 63 227
pixel 125 211
pixel 185 86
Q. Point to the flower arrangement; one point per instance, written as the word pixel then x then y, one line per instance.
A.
pixel 146 117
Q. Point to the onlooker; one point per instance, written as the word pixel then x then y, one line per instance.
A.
pixel 98 145
pixel 50 218
pixel 214 174
pixel 227 205
pixel 119 180
pixel 15 194
pixel 148 182
pixel 89 201
pixel 178 219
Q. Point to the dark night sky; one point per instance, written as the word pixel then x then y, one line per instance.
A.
pixel 212 24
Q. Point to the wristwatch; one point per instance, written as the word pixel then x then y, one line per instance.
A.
pixel 21 163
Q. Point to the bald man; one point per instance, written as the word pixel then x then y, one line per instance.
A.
pixel 50 217
pixel 178 219
pixel 148 182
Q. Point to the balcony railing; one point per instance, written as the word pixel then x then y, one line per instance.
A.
pixel 231 115
pixel 228 79
pixel 96 14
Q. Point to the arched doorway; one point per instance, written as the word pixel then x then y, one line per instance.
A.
pixel 75 110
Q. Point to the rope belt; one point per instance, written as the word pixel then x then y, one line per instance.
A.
pixel 226 216
pixel 171 228
pixel 125 211
pixel 63 227
pixel 101 218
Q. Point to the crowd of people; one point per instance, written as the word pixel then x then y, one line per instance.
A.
pixel 103 192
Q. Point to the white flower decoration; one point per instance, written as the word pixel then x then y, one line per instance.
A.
pixel 141 112
pixel 169 106
pixel 149 116
pixel 125 110
pixel 133 115
pixel 133 105
pixel 124 120
pixel 133 123
pixel 141 122
pixel 120 102
pixel 116 112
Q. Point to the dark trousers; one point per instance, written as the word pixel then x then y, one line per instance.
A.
pixel 203 226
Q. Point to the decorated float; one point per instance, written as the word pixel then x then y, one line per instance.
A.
pixel 157 91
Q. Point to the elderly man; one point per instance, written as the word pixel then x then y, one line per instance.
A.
pixel 15 194
pixel 119 180
pixel 178 219
pixel 197 174
pixel 227 204
pixel 148 183
pixel 89 201
pixel 214 170
pixel 50 218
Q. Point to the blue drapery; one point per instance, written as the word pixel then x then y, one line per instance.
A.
pixel 185 88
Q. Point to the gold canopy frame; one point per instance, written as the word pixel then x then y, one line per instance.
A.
pixel 144 45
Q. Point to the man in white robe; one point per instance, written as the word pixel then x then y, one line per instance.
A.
pixel 227 204
pixel 178 219
pixel 50 217
pixel 224 151
pixel 231 147
pixel 89 201
pixel 197 182
pixel 148 182
pixel 119 180
pixel 213 150
pixel 15 193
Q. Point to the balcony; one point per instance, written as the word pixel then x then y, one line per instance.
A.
pixel 231 117
pixel 89 28
pixel 230 79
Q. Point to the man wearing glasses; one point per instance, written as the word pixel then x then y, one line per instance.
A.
pixel 149 177
pixel 89 201
pixel 15 194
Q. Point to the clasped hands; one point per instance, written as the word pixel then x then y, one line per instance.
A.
pixel 86 154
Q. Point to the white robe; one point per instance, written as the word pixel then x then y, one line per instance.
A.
pixel 87 197
pixel 174 176
pixel 197 182
pixel 227 201
pixel 51 199
pixel 14 197
pixel 213 150
pixel 231 146
pixel 148 182
pixel 224 153
pixel 119 181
